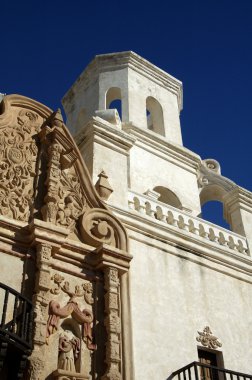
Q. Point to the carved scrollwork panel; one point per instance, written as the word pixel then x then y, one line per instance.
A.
pixel 99 226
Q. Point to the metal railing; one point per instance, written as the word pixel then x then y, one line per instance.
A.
pixel 16 316
pixel 200 371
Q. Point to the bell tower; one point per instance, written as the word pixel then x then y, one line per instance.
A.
pixel 150 98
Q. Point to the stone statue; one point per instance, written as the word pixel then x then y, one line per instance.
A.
pixel 69 349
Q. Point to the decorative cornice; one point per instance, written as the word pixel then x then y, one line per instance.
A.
pixel 159 232
pixel 161 146
pixel 100 131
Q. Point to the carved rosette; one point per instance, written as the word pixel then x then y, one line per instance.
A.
pixel 113 325
pixel 207 339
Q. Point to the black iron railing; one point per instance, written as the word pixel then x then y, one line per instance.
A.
pixel 200 371
pixel 16 317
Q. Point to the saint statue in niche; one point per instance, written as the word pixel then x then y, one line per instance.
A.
pixel 69 349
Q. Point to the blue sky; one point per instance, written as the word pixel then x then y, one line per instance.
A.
pixel 206 44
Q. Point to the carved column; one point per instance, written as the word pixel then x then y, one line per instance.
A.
pixel 113 324
pixel 53 180
pixel 40 300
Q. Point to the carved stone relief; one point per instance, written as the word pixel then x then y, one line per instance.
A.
pixel 65 201
pixel 83 317
pixel 18 154
pixel 113 325
pixel 207 339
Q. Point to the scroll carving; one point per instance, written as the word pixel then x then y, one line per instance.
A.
pixel 18 153
pixel 207 339
pixel 101 227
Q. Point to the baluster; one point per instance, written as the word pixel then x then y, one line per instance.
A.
pixel 14 319
pixel 149 210
pixel 3 353
pixel 221 239
pixel 170 218
pixel 189 373
pixel 30 325
pixel 22 330
pixel 181 223
pixel 196 371
pixel 202 231
pixel 5 304
pixel 231 243
pixel 239 246
pixel 191 226
pixel 211 235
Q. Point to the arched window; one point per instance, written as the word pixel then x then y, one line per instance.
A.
pixel 213 212
pixel 211 198
pixel 168 197
pixel 154 115
pixel 114 99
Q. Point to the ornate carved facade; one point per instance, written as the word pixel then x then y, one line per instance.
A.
pixel 112 281
pixel 68 240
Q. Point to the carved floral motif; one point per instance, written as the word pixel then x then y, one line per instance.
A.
pixel 18 152
pixel 207 339
pixel 85 290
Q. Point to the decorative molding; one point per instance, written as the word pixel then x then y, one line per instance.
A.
pixel 171 152
pixel 207 339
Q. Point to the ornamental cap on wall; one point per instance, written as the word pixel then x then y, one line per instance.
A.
pixel 207 339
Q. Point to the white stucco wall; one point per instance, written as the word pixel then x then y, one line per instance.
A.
pixel 173 298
